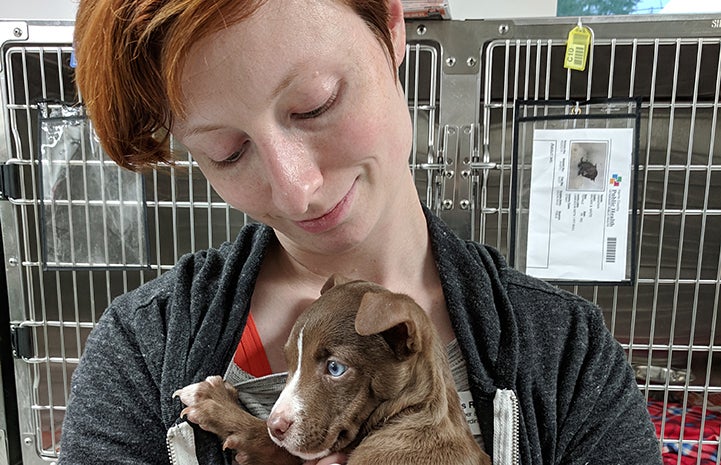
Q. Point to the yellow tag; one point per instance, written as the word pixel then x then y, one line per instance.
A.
pixel 577 48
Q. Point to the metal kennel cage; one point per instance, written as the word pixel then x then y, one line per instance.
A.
pixel 77 231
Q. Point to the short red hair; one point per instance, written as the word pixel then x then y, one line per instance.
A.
pixel 130 56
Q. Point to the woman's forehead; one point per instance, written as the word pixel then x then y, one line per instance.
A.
pixel 276 35
pixel 258 58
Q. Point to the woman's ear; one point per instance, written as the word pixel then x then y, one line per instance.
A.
pixel 397 27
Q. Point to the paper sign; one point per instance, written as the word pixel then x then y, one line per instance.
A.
pixel 579 204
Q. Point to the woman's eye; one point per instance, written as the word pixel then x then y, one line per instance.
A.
pixel 317 111
pixel 237 155
pixel 335 369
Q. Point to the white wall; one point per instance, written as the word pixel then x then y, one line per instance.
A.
pixel 487 9
pixel 38 9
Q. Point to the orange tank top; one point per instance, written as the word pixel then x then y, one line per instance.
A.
pixel 250 355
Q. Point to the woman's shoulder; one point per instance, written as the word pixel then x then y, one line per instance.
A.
pixel 526 285
pixel 519 282
pixel 201 271
pixel 533 298
pixel 186 307
pixel 473 265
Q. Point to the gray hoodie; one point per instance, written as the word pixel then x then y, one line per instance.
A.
pixel 549 382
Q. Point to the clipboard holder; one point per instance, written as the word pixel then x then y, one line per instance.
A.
pixel 569 115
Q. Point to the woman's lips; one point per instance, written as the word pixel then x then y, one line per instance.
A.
pixel 330 219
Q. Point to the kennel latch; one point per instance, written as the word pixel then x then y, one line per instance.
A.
pixel 21 341
pixel 9 181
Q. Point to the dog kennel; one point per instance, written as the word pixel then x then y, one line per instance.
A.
pixel 77 230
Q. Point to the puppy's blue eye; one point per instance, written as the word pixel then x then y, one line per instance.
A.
pixel 335 369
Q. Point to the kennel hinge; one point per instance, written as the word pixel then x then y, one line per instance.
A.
pixel 21 339
pixel 9 181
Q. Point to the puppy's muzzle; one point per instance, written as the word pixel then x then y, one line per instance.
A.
pixel 278 426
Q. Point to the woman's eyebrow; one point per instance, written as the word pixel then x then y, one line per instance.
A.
pixel 285 83
pixel 202 128
pixel 294 73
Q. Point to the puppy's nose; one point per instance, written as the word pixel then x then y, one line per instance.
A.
pixel 278 425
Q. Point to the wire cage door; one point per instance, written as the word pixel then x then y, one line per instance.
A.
pixel 667 317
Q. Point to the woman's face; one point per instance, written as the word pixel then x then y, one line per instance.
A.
pixel 295 117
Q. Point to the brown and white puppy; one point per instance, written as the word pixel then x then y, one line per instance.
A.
pixel 367 375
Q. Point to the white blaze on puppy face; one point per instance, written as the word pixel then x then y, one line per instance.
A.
pixel 331 369
pixel 289 401
pixel 290 406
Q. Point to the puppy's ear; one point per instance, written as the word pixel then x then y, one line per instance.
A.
pixel 393 316
pixel 334 280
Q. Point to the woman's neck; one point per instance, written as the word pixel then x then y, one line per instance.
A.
pixel 395 252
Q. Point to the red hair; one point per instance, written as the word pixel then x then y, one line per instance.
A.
pixel 130 56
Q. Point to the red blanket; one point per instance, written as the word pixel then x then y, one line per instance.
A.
pixel 689 432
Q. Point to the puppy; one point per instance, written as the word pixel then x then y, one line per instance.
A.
pixel 367 376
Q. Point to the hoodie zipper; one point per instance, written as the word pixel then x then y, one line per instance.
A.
pixel 516 435
pixel 180 441
pixel 169 444
pixel 506 425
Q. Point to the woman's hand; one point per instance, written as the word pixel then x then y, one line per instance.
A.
pixel 332 459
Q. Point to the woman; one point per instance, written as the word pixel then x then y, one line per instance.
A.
pixel 293 111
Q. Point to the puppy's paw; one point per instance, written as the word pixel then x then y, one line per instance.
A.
pixel 213 405
pixel 209 404
pixel 193 393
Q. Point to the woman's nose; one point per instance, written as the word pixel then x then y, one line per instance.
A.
pixel 293 174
